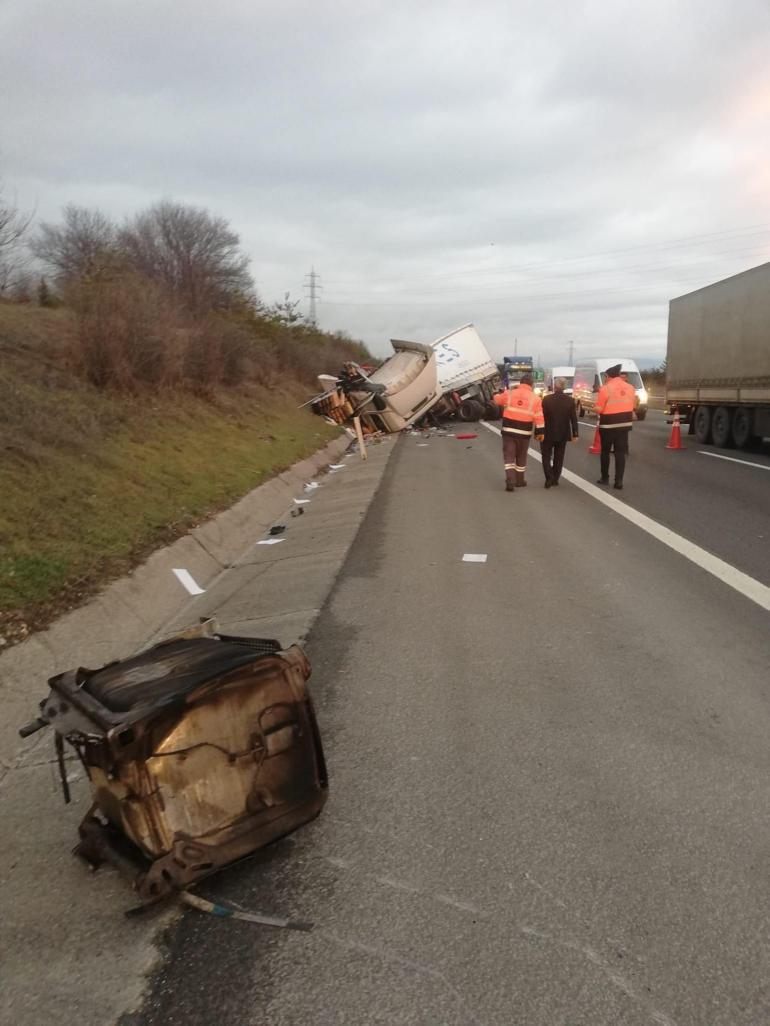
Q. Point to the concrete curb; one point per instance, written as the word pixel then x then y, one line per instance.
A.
pixel 149 596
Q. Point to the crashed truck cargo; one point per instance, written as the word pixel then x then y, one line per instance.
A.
pixel 453 376
pixel 393 397
pixel 199 751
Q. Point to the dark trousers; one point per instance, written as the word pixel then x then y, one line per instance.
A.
pixel 515 456
pixel 614 440
pixel 553 458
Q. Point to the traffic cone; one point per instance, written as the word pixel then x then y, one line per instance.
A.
pixel 675 441
pixel 596 445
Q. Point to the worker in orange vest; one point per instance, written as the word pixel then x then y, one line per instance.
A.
pixel 615 407
pixel 522 413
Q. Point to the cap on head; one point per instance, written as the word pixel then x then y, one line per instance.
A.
pixel 526 379
pixel 558 384
pixel 613 372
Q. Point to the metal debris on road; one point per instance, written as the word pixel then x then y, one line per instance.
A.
pixel 225 912
pixel 199 751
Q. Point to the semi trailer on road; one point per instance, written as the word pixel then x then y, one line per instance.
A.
pixel 718 359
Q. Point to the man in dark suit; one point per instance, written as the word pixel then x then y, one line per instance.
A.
pixel 561 426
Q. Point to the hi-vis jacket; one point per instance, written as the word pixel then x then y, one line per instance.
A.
pixel 522 410
pixel 615 404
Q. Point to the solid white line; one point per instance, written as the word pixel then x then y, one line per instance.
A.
pixel 748 586
pixel 186 578
pixel 732 459
pixel 475 557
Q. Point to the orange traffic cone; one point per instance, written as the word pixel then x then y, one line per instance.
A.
pixel 675 441
pixel 596 445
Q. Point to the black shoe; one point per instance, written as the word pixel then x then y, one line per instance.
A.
pixel 618 484
pixel 509 486
pixel 555 483
pixel 521 484
pixel 603 480
pixel 548 484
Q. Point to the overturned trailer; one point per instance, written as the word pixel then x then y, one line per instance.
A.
pixel 453 376
pixel 199 751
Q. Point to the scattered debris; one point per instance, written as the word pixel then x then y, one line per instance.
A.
pixel 297 512
pixel 271 541
pixel 199 751
pixel 226 912
pixel 475 557
pixel 277 529
pixel 462 438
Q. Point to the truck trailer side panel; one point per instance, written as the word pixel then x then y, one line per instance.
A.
pixel 718 358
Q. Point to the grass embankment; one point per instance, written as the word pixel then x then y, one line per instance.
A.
pixel 90 483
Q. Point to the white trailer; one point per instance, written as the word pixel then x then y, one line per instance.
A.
pixel 467 376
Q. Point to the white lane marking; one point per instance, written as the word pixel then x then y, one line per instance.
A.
pixel 422 445
pixel 336 466
pixel 475 557
pixel 747 586
pixel 311 486
pixel 271 541
pixel 185 577
pixel 302 502
pixel 732 459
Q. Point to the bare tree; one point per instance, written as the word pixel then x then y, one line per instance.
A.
pixel 195 254
pixel 82 247
pixel 13 225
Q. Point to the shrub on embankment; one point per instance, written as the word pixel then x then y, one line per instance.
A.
pixel 107 453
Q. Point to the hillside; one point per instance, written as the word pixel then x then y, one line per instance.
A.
pixel 92 481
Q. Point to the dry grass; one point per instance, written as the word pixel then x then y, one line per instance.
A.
pixel 92 482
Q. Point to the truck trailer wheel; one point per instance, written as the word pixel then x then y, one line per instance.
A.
pixel 702 424
pixel 468 410
pixel 491 411
pixel 721 426
pixel 641 413
pixel 741 431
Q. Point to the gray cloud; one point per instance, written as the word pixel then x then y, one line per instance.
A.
pixel 493 162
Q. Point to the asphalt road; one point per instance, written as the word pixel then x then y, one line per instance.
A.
pixel 549 770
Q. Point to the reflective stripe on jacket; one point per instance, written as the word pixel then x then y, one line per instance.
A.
pixel 522 410
pixel 615 404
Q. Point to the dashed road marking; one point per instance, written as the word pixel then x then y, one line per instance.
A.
pixel 186 579
pixel 475 557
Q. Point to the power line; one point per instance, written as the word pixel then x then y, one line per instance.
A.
pixel 723 235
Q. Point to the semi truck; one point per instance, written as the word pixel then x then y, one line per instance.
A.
pixel 453 376
pixel 718 359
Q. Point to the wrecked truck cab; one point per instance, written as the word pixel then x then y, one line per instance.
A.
pixel 391 398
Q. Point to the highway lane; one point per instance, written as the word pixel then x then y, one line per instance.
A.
pixel 549 781
pixel 719 504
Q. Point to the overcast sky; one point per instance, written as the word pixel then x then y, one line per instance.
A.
pixel 551 171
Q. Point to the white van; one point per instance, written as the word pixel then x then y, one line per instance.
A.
pixel 568 373
pixel 590 376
